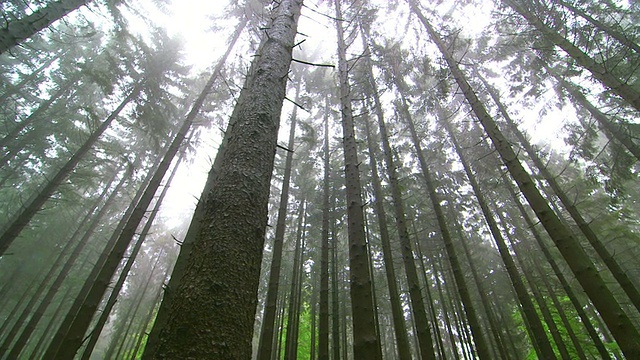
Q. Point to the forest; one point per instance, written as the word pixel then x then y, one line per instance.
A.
pixel 320 179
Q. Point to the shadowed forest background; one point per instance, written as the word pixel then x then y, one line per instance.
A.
pixel 260 179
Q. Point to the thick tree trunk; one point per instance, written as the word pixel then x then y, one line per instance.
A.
pixel 29 210
pixel 220 283
pixel 268 319
pixel 22 29
pixel 365 343
pixel 599 71
pixel 196 221
pixel 612 313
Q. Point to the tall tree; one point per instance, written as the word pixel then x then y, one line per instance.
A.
pixel 221 281
pixel 612 312
pixel 16 31
pixel 365 343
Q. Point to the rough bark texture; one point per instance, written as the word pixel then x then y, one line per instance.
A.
pixel 194 226
pixel 365 343
pixel 213 310
pixel 21 29
pixel 402 341
pixel 612 313
pixel 269 318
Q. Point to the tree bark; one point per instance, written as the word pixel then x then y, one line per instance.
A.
pixel 323 320
pixel 268 319
pixel 22 29
pixel 219 288
pixel 365 343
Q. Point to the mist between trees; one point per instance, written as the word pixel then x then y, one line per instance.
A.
pixel 341 180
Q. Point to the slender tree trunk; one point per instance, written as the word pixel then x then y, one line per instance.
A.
pixel 365 344
pixel 599 71
pixel 612 313
pixel 30 209
pixel 537 296
pixel 610 128
pixel 323 320
pixel 89 281
pixel 430 302
pixel 335 275
pixel 535 328
pixel 62 275
pixel 374 292
pixel 291 341
pixel 458 275
pixel 115 291
pixel 619 274
pixel 586 321
pixel 149 318
pixel 602 26
pixel 402 341
pixel 268 319
pixel 22 29
pixel 220 283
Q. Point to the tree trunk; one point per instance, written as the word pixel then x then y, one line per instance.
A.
pixel 22 29
pixel 268 319
pixel 115 291
pixel 599 71
pixel 220 283
pixel 402 341
pixel 612 313
pixel 29 210
pixel 535 328
pixel 586 321
pixel 619 274
pixel 62 275
pixel 365 344
pixel 194 227
pixel 291 341
pixel 89 280
pixel 323 320
pixel 602 26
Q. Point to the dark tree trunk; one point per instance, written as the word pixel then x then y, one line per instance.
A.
pixel 323 320
pixel 291 341
pixel 220 283
pixel 62 275
pixel 115 289
pixel 268 319
pixel 89 281
pixel 365 343
pixel 29 210
pixel 402 341
pixel 586 321
pixel 22 29
pixel 612 313
pixel 618 273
